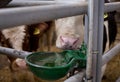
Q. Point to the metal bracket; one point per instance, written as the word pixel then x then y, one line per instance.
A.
pixel 95 52
pixel 85 79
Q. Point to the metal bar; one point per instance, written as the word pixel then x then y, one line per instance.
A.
pixel 29 15
pixel 110 54
pixel 112 6
pixel 94 56
pixel 41 0
pixel 14 53
pixel 36 14
pixel 86 30
pixel 118 80
pixel 91 15
pixel 77 77
pixel 100 40
pixel 29 3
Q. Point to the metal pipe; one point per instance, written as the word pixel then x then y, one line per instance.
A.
pixel 112 6
pixel 110 54
pixel 118 80
pixel 90 53
pixel 29 15
pixel 90 43
pixel 100 40
pixel 94 56
pixel 14 53
pixel 77 77
pixel 86 30
pixel 29 3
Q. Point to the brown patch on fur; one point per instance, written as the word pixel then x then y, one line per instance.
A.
pixel 33 42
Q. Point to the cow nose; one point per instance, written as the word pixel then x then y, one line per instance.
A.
pixel 68 41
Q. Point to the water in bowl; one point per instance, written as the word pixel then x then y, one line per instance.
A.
pixel 52 61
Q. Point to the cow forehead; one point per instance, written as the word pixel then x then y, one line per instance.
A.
pixel 72 24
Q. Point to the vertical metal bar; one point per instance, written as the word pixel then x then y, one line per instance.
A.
pixel 90 41
pixel 100 39
pixel 86 30
pixel 95 11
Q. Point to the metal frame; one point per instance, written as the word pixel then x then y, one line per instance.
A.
pixel 14 53
pixel 35 14
pixel 94 55
pixel 22 3
pixel 96 18
pixel 10 17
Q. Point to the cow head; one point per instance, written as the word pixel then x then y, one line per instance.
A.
pixel 69 32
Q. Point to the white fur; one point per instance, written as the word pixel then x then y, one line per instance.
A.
pixel 70 26
pixel 106 47
pixel 15 35
pixel 107 33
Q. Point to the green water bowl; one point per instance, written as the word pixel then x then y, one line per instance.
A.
pixel 49 65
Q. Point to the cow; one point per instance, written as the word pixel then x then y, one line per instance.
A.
pixel 70 31
pixel 13 38
pixel 28 38
pixel 35 35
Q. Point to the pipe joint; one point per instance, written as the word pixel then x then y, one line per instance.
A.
pixel 95 52
pixel 87 79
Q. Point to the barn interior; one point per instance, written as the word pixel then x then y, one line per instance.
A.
pixel 25 75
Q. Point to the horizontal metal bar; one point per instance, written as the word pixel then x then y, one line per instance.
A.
pixel 38 0
pixel 29 15
pixel 10 17
pixel 112 6
pixel 29 3
pixel 118 80
pixel 14 53
pixel 77 77
pixel 110 54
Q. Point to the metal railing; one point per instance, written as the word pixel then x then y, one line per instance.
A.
pixel 35 12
